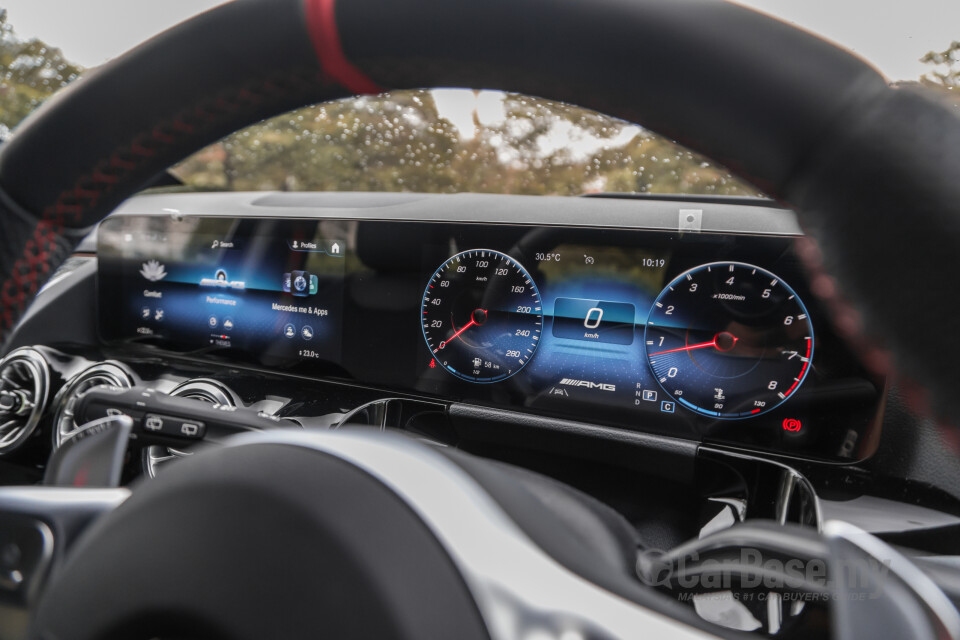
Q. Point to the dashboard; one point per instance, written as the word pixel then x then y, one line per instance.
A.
pixel 674 326
pixel 668 357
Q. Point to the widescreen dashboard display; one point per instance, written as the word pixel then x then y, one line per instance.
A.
pixel 696 335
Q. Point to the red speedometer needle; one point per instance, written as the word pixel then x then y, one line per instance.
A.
pixel 723 341
pixel 464 328
pixel 478 317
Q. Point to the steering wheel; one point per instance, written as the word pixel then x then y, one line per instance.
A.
pixel 274 535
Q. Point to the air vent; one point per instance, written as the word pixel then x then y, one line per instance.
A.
pixel 24 385
pixel 203 390
pixel 106 374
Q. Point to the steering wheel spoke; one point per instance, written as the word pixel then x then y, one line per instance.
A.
pixel 38 526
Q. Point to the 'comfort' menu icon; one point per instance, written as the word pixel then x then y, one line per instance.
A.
pixel 153 271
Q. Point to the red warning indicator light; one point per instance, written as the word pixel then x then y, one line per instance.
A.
pixel 791 424
pixel 433 363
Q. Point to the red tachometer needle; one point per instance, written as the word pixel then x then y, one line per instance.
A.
pixel 723 341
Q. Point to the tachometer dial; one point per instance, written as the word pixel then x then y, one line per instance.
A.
pixel 482 316
pixel 729 340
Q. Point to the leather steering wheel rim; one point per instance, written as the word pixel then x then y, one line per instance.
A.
pixel 870 169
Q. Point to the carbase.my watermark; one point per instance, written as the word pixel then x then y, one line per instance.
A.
pixel 750 569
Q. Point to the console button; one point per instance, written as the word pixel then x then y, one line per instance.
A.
pixel 174 427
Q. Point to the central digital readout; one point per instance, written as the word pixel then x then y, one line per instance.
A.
pixel 593 320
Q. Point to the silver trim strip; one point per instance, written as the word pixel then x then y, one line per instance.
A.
pixel 39 499
pixel 651 212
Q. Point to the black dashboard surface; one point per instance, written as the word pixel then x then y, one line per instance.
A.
pixel 610 312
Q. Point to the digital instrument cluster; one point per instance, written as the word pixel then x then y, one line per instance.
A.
pixel 705 336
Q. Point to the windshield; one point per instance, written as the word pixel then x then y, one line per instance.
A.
pixel 445 141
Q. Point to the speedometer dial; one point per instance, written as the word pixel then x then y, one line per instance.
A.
pixel 729 340
pixel 482 316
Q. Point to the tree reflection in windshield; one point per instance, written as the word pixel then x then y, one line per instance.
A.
pixel 445 141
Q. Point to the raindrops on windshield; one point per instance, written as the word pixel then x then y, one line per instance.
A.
pixel 452 140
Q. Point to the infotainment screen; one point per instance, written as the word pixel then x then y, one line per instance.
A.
pixel 273 290
pixel 712 336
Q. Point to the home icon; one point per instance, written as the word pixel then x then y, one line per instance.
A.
pixel 335 248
